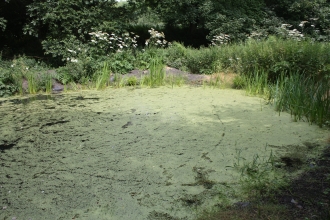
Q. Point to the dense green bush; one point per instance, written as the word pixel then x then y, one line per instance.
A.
pixel 176 56
pixel 79 70
pixel 202 61
pixel 274 56
pixel 7 81
pixel 122 62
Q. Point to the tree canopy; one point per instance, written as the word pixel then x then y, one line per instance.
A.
pixel 31 26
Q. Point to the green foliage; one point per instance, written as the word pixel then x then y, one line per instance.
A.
pixel 256 83
pixel 176 56
pixel 143 58
pixel 79 70
pixel 260 178
pixel 202 61
pixel 239 82
pixel 64 25
pixel 7 89
pixel 121 62
pixel 156 76
pixel 275 56
pixel 315 13
pixel 131 81
pixel 33 84
pixel 102 77
pixel 48 81
pixel 303 97
pixel 2 24
pixel 7 81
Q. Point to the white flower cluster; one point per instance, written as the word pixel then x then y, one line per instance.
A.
pixel 302 24
pixel 108 43
pixel 112 42
pixel 258 35
pixel 156 39
pixel 292 34
pixel 72 59
pixel 220 39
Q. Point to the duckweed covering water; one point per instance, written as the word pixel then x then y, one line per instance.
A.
pixel 133 154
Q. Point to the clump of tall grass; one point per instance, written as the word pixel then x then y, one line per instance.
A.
pixel 304 97
pixel 102 77
pixel 48 81
pixel 32 80
pixel 117 81
pixel 260 177
pixel 256 83
pixel 273 55
pixel 173 80
pixel 157 74
pixel 276 56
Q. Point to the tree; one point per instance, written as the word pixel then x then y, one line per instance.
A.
pixel 312 17
pixel 234 17
pixel 63 25
pixel 12 20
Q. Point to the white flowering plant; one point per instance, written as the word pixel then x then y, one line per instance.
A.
pixel 220 39
pixel 157 39
pixel 113 43
pixel 285 32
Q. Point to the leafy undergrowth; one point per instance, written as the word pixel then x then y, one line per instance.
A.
pixel 306 197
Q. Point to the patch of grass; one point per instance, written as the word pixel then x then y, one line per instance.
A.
pixel 102 77
pixel 74 86
pixel 303 97
pixel 216 81
pixel 239 82
pixel 174 80
pixel 260 180
pixel 220 80
pixel 118 81
pixel 33 86
pixel 131 81
pixel 203 60
pixel 157 74
pixel 256 84
pixel 49 84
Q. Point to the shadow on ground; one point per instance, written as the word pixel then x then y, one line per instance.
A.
pixel 307 197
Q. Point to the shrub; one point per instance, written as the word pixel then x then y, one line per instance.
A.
pixel 7 81
pixel 131 81
pixel 239 82
pixel 176 56
pixel 79 70
pixel 202 61
pixel 121 62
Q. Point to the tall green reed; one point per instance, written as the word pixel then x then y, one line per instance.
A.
pixel 157 73
pixel 102 77
pixel 48 83
pixel 33 85
pixel 304 97
pixel 256 83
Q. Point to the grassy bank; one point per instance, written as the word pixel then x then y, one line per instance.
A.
pixel 292 75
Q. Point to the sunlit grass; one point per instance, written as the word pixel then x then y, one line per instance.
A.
pixel 102 77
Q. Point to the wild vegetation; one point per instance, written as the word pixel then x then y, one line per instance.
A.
pixel 279 50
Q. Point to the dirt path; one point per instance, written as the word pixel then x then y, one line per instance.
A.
pixel 133 154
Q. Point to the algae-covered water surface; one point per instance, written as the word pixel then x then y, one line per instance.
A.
pixel 133 153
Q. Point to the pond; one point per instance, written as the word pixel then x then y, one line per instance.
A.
pixel 133 153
